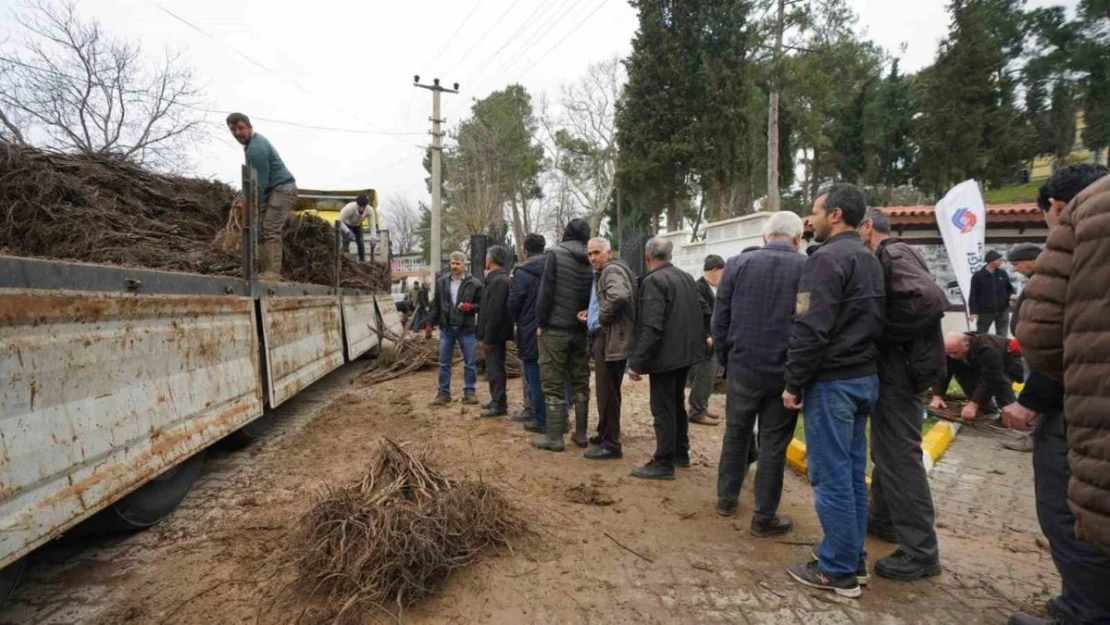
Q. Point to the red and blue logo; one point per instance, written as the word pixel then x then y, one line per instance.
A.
pixel 964 220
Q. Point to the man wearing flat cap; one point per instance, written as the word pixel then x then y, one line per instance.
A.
pixel 990 297
pixel 1023 257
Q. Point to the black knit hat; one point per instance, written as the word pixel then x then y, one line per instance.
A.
pixel 1025 251
pixel 577 230
pixel 534 243
pixel 992 256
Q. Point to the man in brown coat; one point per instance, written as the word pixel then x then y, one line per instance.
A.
pixel 611 320
pixel 1063 331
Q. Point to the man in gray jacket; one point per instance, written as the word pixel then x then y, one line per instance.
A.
pixel 611 318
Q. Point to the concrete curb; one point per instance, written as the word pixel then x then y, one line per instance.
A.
pixel 933 446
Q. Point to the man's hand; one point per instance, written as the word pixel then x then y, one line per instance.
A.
pixel 583 315
pixel 1018 417
pixel 709 341
pixel 937 403
pixel 970 411
pixel 539 332
pixel 466 307
pixel 634 376
pixel 790 401
pixel 973 319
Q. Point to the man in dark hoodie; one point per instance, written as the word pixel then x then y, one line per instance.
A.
pixel 522 307
pixel 564 291
pixel 495 327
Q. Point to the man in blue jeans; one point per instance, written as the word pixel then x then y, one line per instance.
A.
pixel 454 309
pixel 522 308
pixel 831 369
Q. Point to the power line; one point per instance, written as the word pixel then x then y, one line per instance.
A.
pixel 559 42
pixel 447 43
pixel 482 39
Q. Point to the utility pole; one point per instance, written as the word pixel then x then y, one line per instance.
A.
pixel 774 197
pixel 436 253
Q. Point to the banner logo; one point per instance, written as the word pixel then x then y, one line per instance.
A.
pixel 964 220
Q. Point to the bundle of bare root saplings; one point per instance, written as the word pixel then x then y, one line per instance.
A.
pixel 392 537
pixel 89 209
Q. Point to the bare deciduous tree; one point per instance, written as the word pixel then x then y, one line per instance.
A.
pixel 403 220
pixel 68 86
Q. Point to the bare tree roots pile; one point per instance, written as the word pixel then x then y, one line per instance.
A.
pixel 74 207
pixel 393 537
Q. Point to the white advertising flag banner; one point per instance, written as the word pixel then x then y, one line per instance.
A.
pixel 962 219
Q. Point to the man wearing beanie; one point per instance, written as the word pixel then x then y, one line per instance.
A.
pixel 522 307
pixel 703 373
pixel 990 297
pixel 564 292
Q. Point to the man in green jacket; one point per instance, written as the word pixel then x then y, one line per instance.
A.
pixel 278 189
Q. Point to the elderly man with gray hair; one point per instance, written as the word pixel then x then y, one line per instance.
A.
pixel 672 330
pixel 752 320
pixel 455 305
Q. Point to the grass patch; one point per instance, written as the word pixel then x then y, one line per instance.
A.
pixel 1015 194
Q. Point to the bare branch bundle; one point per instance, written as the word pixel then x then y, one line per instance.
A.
pixel 100 210
pixel 392 537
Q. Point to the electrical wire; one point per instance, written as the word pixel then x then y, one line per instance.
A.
pixel 454 34
pixel 484 37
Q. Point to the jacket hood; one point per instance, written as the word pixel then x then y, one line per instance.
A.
pixel 533 265
pixel 577 249
pixel 577 230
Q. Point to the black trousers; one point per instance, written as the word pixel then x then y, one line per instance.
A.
pixel 668 409
pixel 1001 321
pixel 608 376
pixel 495 373
pixel 1084 570
pixel 968 379
pixel 743 406
pixel 900 494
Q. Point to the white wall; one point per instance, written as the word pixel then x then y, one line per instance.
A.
pixel 724 238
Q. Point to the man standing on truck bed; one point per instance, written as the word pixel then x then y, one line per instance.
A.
pixel 351 217
pixel 278 188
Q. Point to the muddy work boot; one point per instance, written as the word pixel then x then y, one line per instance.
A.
pixel 654 470
pixel 269 261
pixel 774 526
pixel 441 400
pixel 470 399
pixel 535 426
pixel 581 421
pixel 552 440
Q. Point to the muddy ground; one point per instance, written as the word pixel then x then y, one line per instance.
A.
pixel 606 548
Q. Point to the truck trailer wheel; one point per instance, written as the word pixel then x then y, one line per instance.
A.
pixel 154 500
pixel 9 578
pixel 250 432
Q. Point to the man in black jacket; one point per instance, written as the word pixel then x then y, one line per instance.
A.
pixel 564 292
pixel 455 305
pixel 991 295
pixel 831 366
pixel 703 373
pixel 495 327
pixel 672 331
pixel 986 367
pixel 751 323
pixel 522 307
pixel 911 352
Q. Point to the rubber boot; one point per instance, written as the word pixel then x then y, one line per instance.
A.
pixel 269 261
pixel 581 420
pixel 556 426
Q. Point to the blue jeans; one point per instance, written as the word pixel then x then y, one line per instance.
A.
pixel 468 342
pixel 535 390
pixel 836 449
pixel 419 318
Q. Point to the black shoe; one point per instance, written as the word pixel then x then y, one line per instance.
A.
pixel 494 411
pixel 901 566
pixel 604 453
pixel 545 443
pixel 809 574
pixel 595 440
pixel 883 532
pixel 682 462
pixel 532 426
pixel 487 405
pixel 441 400
pixel 775 526
pixel 1024 619
pixel 654 470
pixel 1051 606
pixel 523 416
pixel 580 440
pixel 862 576
pixel 726 509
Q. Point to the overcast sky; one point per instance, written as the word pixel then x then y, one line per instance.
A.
pixel 349 65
